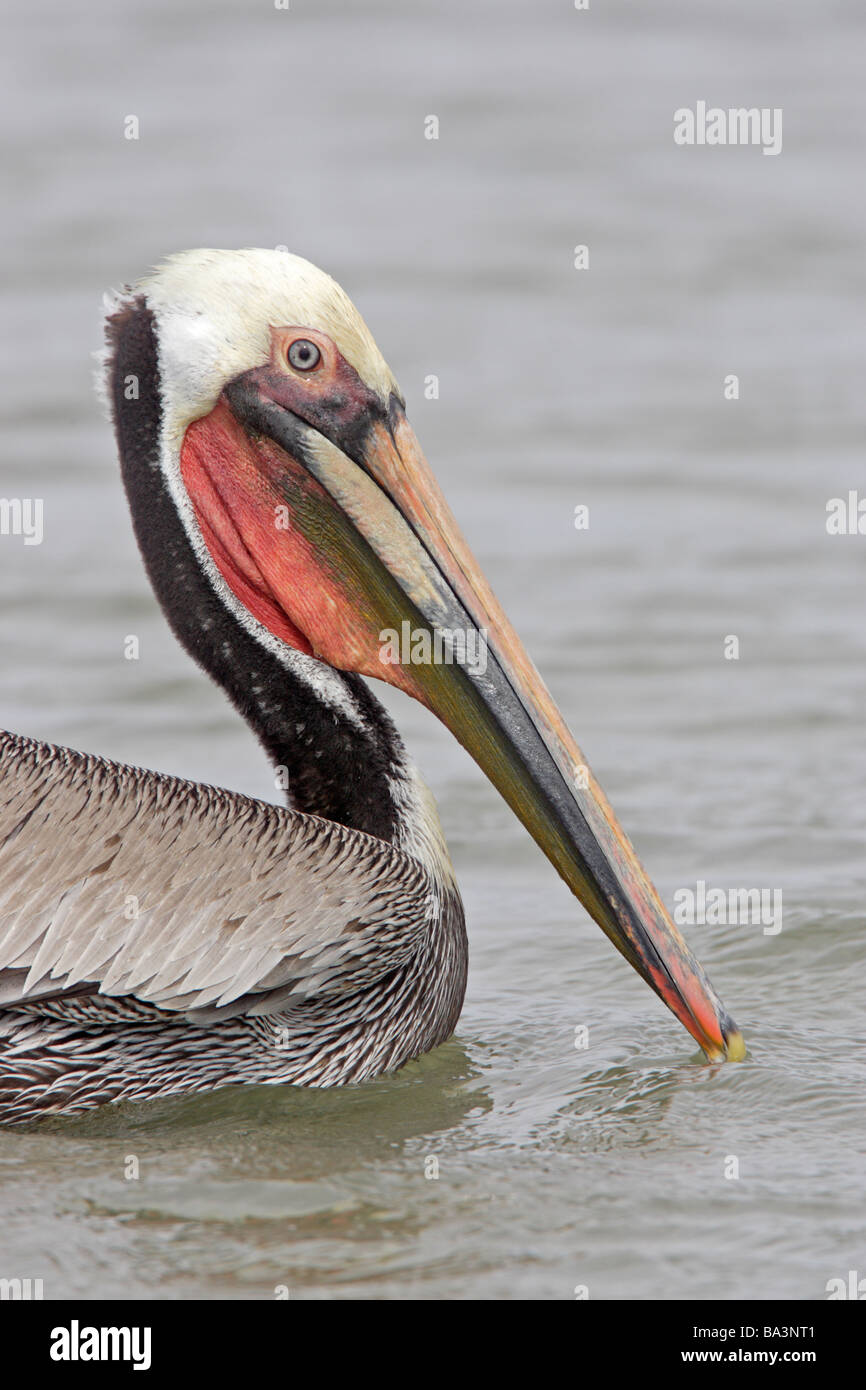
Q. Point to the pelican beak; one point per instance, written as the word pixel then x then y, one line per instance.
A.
pixel 372 547
pixel 512 728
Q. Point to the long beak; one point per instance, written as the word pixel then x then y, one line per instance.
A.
pixel 386 546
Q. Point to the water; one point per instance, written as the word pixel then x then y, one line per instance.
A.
pixel 558 1167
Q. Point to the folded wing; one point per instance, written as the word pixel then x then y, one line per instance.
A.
pixel 126 883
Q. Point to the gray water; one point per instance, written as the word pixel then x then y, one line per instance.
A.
pixel 603 1167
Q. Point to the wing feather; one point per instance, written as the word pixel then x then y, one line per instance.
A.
pixel 127 882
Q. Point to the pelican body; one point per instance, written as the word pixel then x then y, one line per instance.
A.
pixel 159 936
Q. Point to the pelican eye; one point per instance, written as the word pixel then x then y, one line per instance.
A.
pixel 304 355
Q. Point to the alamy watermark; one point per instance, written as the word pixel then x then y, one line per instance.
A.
pixel 738 125
pixel 742 907
pixel 851 1288
pixel 77 1343
pixel 846 516
pixel 20 1289
pixel 22 516
pixel 444 646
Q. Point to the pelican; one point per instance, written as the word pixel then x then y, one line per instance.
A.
pixel 159 936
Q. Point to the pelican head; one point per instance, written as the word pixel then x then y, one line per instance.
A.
pixel 285 447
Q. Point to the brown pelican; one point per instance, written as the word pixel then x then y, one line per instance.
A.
pixel 160 936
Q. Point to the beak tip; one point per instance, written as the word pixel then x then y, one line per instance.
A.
pixel 732 1047
pixel 735 1044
